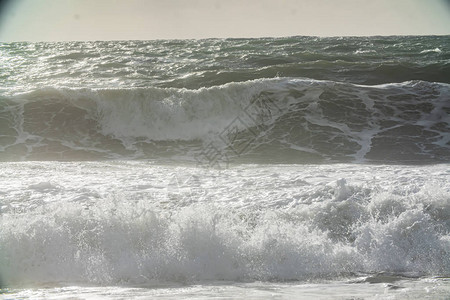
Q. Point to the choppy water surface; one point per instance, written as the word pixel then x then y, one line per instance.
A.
pixel 293 167
pixel 295 100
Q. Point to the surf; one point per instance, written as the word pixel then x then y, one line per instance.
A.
pixel 304 118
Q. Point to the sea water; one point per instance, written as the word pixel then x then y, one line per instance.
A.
pixel 294 167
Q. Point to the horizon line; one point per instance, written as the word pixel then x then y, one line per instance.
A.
pixel 230 38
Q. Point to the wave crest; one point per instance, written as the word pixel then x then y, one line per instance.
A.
pixel 298 118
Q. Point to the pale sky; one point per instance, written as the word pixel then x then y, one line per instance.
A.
pixel 63 20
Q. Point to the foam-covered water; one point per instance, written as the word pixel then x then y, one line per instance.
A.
pixel 134 223
pixel 292 167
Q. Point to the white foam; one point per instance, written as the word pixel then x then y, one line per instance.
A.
pixel 126 223
pixel 435 50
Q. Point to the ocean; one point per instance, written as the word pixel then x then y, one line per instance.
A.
pixel 290 168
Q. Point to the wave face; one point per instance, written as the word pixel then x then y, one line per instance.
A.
pixel 278 120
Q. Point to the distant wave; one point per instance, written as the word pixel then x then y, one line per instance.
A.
pixel 436 50
pixel 194 64
pixel 286 119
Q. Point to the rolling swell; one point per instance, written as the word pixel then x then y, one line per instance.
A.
pixel 275 120
pixel 194 64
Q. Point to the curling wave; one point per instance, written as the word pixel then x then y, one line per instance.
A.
pixel 300 120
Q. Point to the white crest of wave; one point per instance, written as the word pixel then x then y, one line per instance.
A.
pixel 435 50
pixel 173 114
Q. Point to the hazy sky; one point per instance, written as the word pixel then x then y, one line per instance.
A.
pixel 54 20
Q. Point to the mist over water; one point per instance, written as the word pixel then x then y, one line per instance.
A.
pixel 193 162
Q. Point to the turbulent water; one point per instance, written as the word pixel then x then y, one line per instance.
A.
pixel 294 100
pixel 240 166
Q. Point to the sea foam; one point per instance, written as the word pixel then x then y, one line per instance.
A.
pixel 134 224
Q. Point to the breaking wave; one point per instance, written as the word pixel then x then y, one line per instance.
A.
pixel 299 120
pixel 296 224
